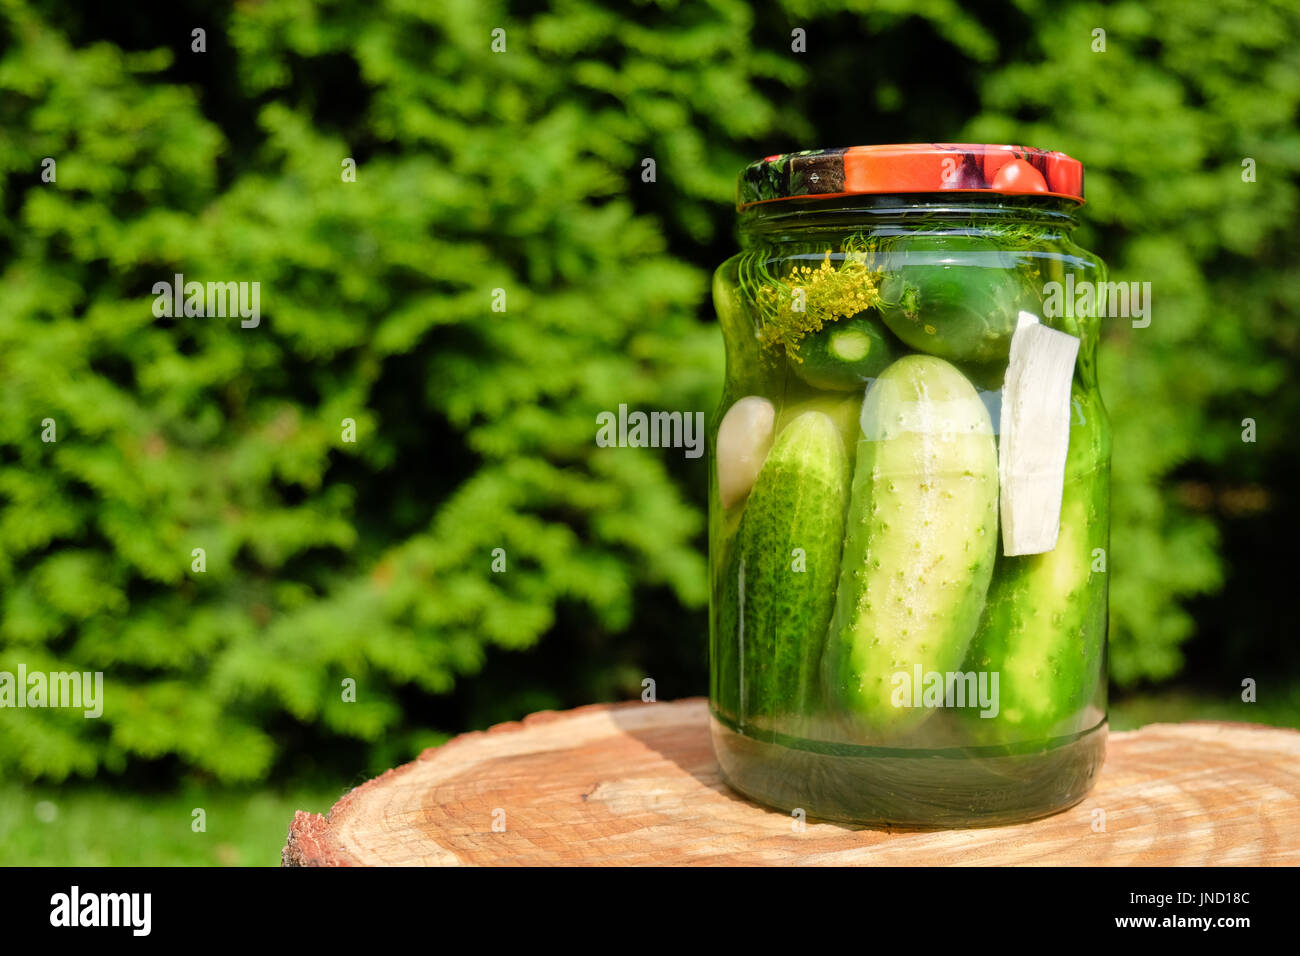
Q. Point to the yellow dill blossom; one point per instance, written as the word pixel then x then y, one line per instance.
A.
pixel 811 297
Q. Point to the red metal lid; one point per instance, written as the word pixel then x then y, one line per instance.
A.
pixel 912 168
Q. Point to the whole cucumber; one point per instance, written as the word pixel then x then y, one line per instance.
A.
pixel 922 533
pixel 779 589
pixel 957 297
pixel 842 407
pixel 1044 628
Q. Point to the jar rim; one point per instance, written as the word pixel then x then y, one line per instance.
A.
pixel 902 168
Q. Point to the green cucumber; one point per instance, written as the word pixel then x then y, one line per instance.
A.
pixel 1044 627
pixel 986 378
pixel 922 536
pixel 844 355
pixel 842 407
pixel 775 604
pixel 957 297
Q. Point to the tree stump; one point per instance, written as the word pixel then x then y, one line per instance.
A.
pixel 636 784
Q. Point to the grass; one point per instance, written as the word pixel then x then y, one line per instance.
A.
pixel 1181 704
pixel 88 826
pixel 84 826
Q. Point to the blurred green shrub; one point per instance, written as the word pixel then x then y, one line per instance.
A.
pixel 326 560
pixel 522 171
pixel 1164 118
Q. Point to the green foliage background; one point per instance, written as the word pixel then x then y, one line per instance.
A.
pixel 522 171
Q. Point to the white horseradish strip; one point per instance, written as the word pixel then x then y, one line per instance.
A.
pixel 1035 435
pixel 744 437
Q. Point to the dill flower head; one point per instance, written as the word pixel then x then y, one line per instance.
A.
pixel 810 297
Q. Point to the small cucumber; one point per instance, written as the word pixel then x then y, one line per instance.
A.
pixel 843 355
pixel 842 407
pixel 957 297
pixel 922 532
pixel 1044 628
pixel 779 589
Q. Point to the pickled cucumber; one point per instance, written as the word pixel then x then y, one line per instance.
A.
pixel 842 407
pixel 922 535
pixel 1044 627
pixel 779 589
pixel 843 355
pixel 955 296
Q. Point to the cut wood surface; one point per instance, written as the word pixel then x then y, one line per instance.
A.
pixel 637 784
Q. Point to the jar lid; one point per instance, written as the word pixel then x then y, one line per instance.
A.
pixel 912 168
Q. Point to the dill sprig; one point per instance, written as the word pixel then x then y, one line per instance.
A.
pixel 808 298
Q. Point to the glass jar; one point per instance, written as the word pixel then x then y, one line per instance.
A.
pixel 908 509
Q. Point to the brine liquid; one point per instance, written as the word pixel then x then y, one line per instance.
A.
pixel 911 787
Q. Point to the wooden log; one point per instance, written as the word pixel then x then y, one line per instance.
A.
pixel 637 784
